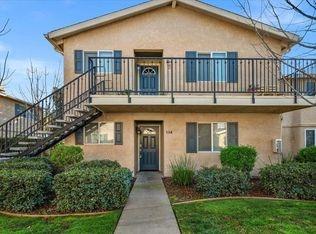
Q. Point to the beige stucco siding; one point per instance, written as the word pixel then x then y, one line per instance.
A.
pixel 257 130
pixel 172 30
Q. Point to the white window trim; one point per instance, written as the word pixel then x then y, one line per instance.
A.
pixel 211 56
pixel 98 55
pixel 212 139
pixel 305 131
pixel 84 134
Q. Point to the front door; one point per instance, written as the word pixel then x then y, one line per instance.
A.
pixel 148 80
pixel 149 148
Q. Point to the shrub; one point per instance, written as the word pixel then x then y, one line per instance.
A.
pixel 95 164
pixel 24 190
pixel 215 182
pixel 92 189
pixel 39 163
pixel 307 154
pixel 182 169
pixel 290 180
pixel 241 158
pixel 63 155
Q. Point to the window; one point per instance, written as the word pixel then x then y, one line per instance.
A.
pixel 99 133
pixel 212 137
pixel 220 66
pixel 310 137
pixel 105 63
pixel 19 109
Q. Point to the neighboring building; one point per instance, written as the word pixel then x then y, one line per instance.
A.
pixel 10 106
pixel 298 130
pixel 166 78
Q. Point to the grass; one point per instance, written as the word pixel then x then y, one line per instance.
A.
pixel 85 224
pixel 247 216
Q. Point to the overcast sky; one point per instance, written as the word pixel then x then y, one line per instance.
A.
pixel 30 19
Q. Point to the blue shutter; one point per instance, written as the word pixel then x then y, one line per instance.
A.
pixel 190 66
pixel 191 135
pixel 232 67
pixel 117 62
pixel 310 88
pixel 232 133
pixel 78 61
pixel 118 128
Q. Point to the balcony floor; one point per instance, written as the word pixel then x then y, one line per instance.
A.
pixel 199 103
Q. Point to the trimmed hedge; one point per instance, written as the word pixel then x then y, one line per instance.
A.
pixel 66 155
pixel 242 158
pixel 290 180
pixel 24 190
pixel 307 154
pixel 39 163
pixel 92 189
pixel 95 164
pixel 215 182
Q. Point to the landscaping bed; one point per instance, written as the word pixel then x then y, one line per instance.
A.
pixel 178 193
pixel 247 216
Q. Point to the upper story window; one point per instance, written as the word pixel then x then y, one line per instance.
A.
pixel 104 61
pixel 207 68
pixel 310 137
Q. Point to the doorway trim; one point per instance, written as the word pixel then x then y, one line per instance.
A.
pixel 138 142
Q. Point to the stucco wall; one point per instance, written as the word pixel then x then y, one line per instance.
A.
pixel 7 109
pixel 293 128
pixel 257 130
pixel 172 30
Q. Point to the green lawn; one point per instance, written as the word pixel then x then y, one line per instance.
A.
pixel 85 224
pixel 247 216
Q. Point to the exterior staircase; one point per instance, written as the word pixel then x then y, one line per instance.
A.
pixel 51 120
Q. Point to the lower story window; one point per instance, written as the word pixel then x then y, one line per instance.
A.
pixel 310 137
pixel 99 133
pixel 212 136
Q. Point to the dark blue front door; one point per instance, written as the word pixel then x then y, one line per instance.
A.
pixel 149 79
pixel 149 148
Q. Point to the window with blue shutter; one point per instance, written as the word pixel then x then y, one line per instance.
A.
pixel 191 137
pixel 118 128
pixel 232 67
pixel 78 61
pixel 19 108
pixel 89 63
pixel 191 71
pixel 310 88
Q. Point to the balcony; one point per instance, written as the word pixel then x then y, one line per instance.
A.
pixel 202 84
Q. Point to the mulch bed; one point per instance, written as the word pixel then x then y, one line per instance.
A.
pixel 178 193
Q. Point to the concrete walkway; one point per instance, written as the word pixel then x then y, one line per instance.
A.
pixel 148 209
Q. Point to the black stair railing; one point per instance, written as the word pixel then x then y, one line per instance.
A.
pixel 38 117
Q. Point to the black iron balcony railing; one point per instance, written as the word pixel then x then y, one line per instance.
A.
pixel 224 76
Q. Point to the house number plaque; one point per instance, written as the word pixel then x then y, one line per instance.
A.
pixel 169 132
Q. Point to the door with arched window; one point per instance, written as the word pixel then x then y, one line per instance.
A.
pixel 149 80
pixel 149 148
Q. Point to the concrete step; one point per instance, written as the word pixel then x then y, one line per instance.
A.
pixel 44 132
pixel 9 154
pixel 62 121
pixel 72 116
pixel 35 137
pixel 27 143
pixel 81 110
pixel 54 126
pixel 18 148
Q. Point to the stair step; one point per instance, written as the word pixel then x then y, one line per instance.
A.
pixel 35 137
pixel 9 154
pixel 71 116
pixel 27 143
pixel 61 121
pixel 53 126
pixel 80 110
pixel 44 132
pixel 18 148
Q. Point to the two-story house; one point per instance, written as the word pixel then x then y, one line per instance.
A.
pixel 165 78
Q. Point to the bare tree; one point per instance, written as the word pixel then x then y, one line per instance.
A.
pixel 40 83
pixel 290 18
pixel 5 71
